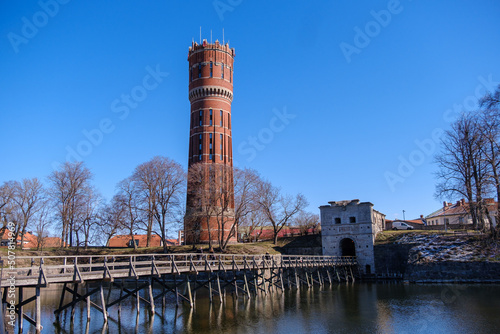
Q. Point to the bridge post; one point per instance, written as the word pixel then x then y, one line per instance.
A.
pixel 20 310
pixel 210 287
pixel 218 287
pixel 137 295
pixel 38 308
pixel 235 284
pixel 103 304
pixel 176 292
pixel 75 291
pixel 246 284
pixel 189 291
pixel 151 298
pixel 319 278
pixel 281 279
pixel 88 301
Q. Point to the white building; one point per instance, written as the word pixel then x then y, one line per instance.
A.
pixel 458 214
pixel 348 228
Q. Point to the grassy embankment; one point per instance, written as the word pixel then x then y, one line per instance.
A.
pixel 244 248
pixel 389 237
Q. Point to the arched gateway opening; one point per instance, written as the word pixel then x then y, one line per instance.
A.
pixel 347 247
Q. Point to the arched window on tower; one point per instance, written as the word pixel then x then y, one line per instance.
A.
pixel 221 119
pixel 211 70
pixel 200 149
pixel 222 70
pixel 199 70
pixel 201 117
pixel 221 151
pixel 230 74
pixel 211 116
pixel 211 148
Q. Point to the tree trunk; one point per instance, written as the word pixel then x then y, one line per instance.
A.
pixel 132 239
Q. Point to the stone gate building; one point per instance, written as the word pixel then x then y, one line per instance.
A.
pixel 348 228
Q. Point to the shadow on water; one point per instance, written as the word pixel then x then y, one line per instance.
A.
pixel 340 308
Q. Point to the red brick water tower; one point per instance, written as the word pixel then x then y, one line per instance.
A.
pixel 210 140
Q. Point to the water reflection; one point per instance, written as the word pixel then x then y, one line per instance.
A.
pixel 351 308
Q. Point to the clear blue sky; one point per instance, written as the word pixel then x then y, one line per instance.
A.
pixel 359 86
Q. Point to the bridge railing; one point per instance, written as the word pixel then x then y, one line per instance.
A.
pixel 47 269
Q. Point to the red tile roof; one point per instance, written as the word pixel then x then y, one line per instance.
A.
pixel 30 240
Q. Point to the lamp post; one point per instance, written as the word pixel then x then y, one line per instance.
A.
pixel 404 216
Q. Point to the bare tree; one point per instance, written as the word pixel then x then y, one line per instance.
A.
pixel 28 197
pixel 490 129
pixel 111 220
pixel 170 185
pixel 305 221
pixel 202 202
pixel 145 183
pixel 279 209
pixel 159 184
pixel 6 195
pixel 221 195
pixel 88 216
pixel 125 207
pixel 252 225
pixel 68 187
pixel 42 224
pixel 491 101
pixel 456 163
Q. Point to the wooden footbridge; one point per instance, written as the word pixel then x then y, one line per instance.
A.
pixel 179 274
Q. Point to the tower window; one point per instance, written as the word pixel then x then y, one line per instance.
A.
pixel 222 71
pixel 228 121
pixel 211 151
pixel 199 70
pixel 210 118
pixel 211 69
pixel 201 117
pixel 337 221
pixel 352 220
pixel 221 118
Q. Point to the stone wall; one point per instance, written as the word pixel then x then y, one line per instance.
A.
pixel 453 271
pixel 391 258
pixel 304 245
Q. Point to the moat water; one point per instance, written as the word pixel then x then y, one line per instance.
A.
pixel 342 308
